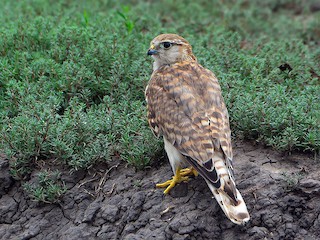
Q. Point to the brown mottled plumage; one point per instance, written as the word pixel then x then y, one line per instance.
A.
pixel 186 107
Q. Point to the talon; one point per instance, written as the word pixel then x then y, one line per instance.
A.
pixel 189 171
pixel 164 184
pixel 180 176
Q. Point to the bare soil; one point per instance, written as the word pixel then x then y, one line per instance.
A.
pixel 115 201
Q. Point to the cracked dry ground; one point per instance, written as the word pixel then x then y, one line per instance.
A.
pixel 282 194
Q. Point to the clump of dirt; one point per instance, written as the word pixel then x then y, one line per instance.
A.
pixel 116 202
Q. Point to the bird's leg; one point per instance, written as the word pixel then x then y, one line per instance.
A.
pixel 180 176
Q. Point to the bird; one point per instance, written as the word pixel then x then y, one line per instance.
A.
pixel 185 106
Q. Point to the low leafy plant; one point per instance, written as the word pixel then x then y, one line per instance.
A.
pixel 292 179
pixel 47 187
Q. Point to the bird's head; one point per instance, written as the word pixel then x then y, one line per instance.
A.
pixel 169 49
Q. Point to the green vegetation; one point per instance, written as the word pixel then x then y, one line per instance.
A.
pixel 292 179
pixel 48 187
pixel 73 73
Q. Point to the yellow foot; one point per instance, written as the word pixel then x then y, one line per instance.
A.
pixel 180 176
pixel 189 171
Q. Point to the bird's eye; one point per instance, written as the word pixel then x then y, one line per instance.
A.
pixel 166 44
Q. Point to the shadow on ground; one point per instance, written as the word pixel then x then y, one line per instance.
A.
pixel 117 202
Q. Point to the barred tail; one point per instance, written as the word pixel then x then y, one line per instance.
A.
pixel 236 211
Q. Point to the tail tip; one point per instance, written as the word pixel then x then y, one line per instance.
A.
pixel 241 218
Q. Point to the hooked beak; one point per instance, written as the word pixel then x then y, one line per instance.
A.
pixel 152 50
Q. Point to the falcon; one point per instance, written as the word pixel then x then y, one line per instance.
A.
pixel 186 107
